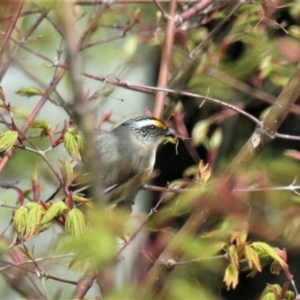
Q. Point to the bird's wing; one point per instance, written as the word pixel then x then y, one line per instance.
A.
pixel 116 174
pixel 115 170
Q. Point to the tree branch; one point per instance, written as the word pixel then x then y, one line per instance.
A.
pixel 11 25
pixel 267 129
pixel 165 60
pixel 83 113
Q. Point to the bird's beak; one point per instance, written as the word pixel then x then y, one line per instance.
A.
pixel 170 135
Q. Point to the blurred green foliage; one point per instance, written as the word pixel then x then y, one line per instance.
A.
pixel 245 63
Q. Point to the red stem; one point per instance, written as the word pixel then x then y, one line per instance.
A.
pixel 165 61
pixel 11 25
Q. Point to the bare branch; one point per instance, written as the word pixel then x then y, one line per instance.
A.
pixel 84 284
pixel 267 129
pixel 11 25
pixel 82 112
pixel 165 60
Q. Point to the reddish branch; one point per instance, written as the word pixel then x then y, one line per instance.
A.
pixel 84 284
pixel 92 24
pixel 195 9
pixel 183 132
pixel 83 114
pixel 165 60
pixel 11 25
pixel 6 64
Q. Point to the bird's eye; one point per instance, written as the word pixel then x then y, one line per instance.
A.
pixel 151 127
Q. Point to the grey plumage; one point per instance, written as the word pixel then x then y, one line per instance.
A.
pixel 127 156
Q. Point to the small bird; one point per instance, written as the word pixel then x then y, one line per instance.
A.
pixel 127 157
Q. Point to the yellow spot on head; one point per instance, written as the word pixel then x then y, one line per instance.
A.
pixel 159 124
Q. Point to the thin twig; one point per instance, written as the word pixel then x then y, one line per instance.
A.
pixel 291 187
pixel 39 152
pixel 192 54
pixel 34 113
pixel 93 23
pixel 39 259
pixel 162 189
pixel 147 88
pixel 195 9
pixel 46 275
pixel 23 13
pixel 160 8
pixel 8 206
pixel 6 64
pixel 267 129
pixel 249 90
pixel 11 25
pixel 152 211
pixel 182 131
pixel 171 263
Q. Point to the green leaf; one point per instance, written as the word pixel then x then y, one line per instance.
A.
pixel 21 112
pixel 67 173
pixel 2 96
pixel 7 140
pixel 40 124
pixel 233 256
pixel 289 295
pixel 31 205
pixel 264 250
pixel 44 133
pixel 20 220
pixel 239 237
pixel 73 131
pixel 54 211
pixel 294 31
pixel 213 249
pixel 271 292
pixel 231 277
pixel 33 221
pixel 292 154
pixel 266 67
pixel 27 252
pixel 129 48
pixel 75 223
pixel 216 139
pixel 29 91
pixel 80 142
pixel 80 199
pixel 252 257
pixel 200 131
pixel 71 145
pixel 3 246
pixel 191 171
pixel 268 296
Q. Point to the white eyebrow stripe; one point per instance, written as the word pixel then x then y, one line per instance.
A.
pixel 143 123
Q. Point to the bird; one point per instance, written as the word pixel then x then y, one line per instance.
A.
pixel 127 155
